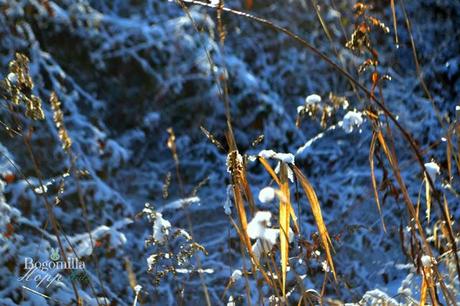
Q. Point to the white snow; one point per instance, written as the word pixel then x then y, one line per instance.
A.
pixel 160 228
pixel 179 204
pixel 266 237
pixel 433 169
pixel 287 158
pixel 313 99
pixel 12 77
pixel 228 201
pixel 267 194
pixel 351 121
pixel 239 161
pixel 261 247
pixel 325 266
pixel 267 154
pixel 151 260
pixel 427 261
pixel 201 271
pixel 258 224
pixel 377 296
pixel 41 189
pixel 236 275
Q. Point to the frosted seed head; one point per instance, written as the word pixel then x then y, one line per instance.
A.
pixel 351 121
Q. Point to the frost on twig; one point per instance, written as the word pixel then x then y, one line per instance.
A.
pixel 173 248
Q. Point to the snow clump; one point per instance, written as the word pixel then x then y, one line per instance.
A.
pixel 266 195
pixel 351 121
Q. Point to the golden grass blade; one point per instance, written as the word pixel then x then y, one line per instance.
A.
pixel 247 191
pixel 284 213
pixel 374 181
pixel 428 199
pixel 212 138
pixel 448 224
pixel 419 201
pixel 316 209
pixel 430 286
pixel 423 292
pixel 393 12
pixel 270 170
pixel 294 218
pixel 236 181
pixel 449 155
pixel 239 203
pixel 436 237
pixel 384 147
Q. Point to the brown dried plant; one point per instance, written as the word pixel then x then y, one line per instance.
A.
pixel 19 85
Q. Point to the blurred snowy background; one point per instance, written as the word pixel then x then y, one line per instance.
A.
pixel 126 71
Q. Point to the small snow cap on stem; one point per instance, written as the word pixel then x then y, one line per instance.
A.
pixel 287 158
pixel 432 169
pixel 236 275
pixel 427 261
pixel 351 120
pixel 313 99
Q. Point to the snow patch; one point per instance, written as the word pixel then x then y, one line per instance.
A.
pixel 313 99
pixel 433 170
pixel 351 121
pixel 266 195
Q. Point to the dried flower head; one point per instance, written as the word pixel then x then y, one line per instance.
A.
pixel 18 85
pixel 359 39
pixel 316 108
pixel 171 144
pixel 235 163
pixel 58 118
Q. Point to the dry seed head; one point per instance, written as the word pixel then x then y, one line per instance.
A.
pixel 258 140
pixel 379 24
pixel 338 101
pixel 171 144
pixel 34 108
pixel 234 163
pixel 20 68
pixel 212 138
pixel 19 85
pixel 359 39
pixel 360 8
pixel 58 118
